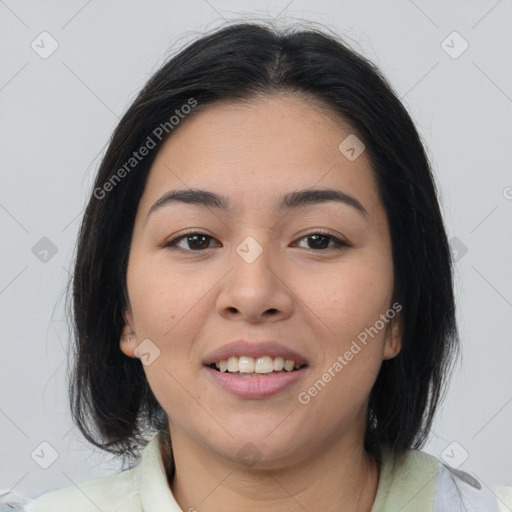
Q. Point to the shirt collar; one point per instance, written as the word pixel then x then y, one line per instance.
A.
pixel 155 493
pixel 406 485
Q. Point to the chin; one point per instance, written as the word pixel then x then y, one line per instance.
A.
pixel 260 451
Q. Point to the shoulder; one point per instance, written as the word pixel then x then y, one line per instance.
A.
pixel 11 501
pixel 458 490
pixel 127 491
pixel 113 493
pixel 406 482
pixel 419 482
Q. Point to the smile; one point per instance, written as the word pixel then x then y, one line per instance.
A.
pixel 246 365
pixel 253 384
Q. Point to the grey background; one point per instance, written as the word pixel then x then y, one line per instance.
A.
pixel 57 114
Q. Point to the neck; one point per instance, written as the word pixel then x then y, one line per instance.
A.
pixel 341 478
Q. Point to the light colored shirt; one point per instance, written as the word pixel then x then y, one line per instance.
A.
pixel 421 483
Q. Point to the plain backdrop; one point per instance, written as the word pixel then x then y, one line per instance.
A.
pixel 68 72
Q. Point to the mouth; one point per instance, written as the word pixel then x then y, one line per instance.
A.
pixel 247 366
pixel 255 369
pixel 255 378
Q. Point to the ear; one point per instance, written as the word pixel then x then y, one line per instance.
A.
pixel 393 343
pixel 128 341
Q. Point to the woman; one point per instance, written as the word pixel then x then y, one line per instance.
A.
pixel 263 283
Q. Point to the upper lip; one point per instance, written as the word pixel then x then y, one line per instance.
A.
pixel 253 349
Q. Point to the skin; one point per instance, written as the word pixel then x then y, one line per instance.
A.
pixel 317 301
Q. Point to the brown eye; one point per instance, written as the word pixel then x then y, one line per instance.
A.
pixel 319 241
pixel 195 242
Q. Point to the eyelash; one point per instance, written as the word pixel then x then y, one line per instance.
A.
pixel 339 244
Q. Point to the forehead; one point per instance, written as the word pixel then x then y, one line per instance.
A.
pixel 259 150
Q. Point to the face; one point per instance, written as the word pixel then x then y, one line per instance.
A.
pixel 315 278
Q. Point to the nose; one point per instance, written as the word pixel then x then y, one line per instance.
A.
pixel 257 287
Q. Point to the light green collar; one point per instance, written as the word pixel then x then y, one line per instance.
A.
pixel 408 486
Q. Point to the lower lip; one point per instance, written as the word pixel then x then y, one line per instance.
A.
pixel 256 386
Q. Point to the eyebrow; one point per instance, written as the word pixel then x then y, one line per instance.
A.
pixel 291 200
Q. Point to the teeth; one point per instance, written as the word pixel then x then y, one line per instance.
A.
pixel 278 364
pixel 233 364
pixel 264 364
pixel 245 365
pixel 289 365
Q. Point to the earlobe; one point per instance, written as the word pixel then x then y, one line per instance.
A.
pixel 393 344
pixel 128 341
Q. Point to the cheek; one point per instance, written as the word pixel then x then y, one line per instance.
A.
pixel 350 298
pixel 164 301
pixel 354 301
pixel 166 308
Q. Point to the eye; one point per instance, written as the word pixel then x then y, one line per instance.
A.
pixel 192 239
pixel 319 238
pixel 197 241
